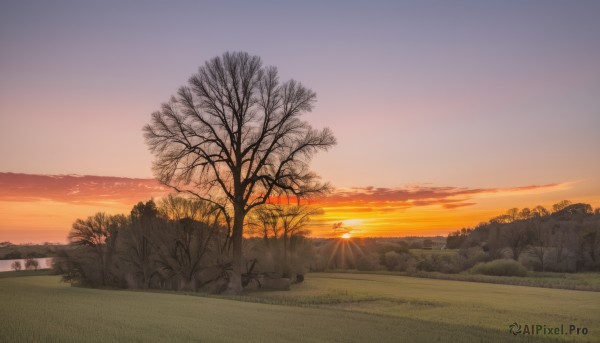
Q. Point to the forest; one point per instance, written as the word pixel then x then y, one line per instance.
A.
pixel 184 244
pixel 564 239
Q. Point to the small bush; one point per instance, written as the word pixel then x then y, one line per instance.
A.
pixel 502 267
pixel 469 257
pixel 31 264
pixel 16 266
pixel 368 262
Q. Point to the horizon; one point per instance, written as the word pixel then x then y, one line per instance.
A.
pixel 62 196
pixel 445 115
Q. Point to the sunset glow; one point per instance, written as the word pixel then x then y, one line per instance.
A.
pixel 39 208
pixel 439 126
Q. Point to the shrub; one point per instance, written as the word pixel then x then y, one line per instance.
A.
pixel 437 263
pixel 390 259
pixel 31 264
pixel 368 262
pixel 469 257
pixel 504 267
pixel 16 265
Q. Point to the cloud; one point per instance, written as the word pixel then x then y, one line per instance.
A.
pixel 87 189
pixel 76 189
pixel 390 199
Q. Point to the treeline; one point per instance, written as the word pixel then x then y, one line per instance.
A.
pixel 9 251
pixel 377 254
pixel 181 244
pixel 565 239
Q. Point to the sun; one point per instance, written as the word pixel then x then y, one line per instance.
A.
pixel 346 235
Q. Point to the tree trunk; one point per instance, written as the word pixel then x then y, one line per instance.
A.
pixel 235 280
pixel 285 247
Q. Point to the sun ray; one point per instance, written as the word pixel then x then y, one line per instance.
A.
pixel 335 248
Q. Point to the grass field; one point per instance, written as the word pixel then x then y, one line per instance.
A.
pixel 572 281
pixel 327 307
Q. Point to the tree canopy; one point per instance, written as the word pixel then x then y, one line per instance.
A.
pixel 234 137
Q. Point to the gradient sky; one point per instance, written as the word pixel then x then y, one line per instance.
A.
pixel 446 113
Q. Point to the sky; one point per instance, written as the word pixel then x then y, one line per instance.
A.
pixel 446 113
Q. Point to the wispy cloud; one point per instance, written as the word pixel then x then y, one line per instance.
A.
pixel 401 198
pixel 89 189
pixel 76 189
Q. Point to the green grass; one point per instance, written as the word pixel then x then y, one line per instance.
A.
pixel 20 273
pixel 589 281
pixel 326 307
pixel 570 281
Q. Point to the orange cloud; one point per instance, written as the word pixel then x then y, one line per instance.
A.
pixel 403 198
pixel 75 189
pixel 38 208
pixel 415 210
pixel 43 207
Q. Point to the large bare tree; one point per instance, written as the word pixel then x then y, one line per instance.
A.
pixel 234 137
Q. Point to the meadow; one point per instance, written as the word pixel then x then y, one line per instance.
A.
pixel 332 307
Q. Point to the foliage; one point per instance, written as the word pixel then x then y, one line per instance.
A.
pixel 503 267
pixel 234 137
pixel 31 264
pixel 168 246
pixel 16 266
pixel 282 246
pixel 566 239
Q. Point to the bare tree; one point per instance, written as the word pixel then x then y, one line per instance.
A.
pixel 539 241
pixel 187 238
pixel 234 137
pixel 97 233
pixel 560 205
pixel 265 220
pixel 16 266
pixel 138 248
pixel 539 212
pixel 516 238
pixel 31 264
pixel 294 220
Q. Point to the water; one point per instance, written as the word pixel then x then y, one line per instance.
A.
pixel 43 263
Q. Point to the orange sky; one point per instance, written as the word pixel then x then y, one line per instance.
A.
pixel 40 208
pixel 453 112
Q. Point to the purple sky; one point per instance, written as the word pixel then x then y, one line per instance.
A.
pixel 464 94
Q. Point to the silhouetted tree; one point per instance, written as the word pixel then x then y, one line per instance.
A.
pixel 516 238
pixel 31 264
pixel 234 137
pixel 539 239
pixel 138 248
pixel 293 222
pixel 560 205
pixel 573 211
pixel 282 227
pixel 16 266
pixel 185 240
pixel 96 235
pixel 539 212
pixel 455 239
pixel 265 220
